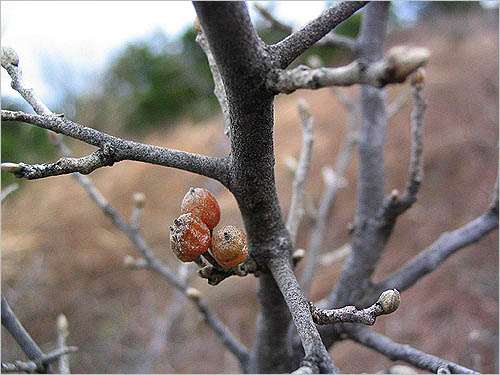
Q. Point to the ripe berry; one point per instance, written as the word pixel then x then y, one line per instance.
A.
pixel 229 246
pixel 200 202
pixel 189 237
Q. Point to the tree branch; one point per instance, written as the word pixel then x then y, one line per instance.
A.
pixel 314 349
pixel 275 23
pixel 8 190
pixel 62 336
pixel 395 205
pixel 399 352
pixel 332 185
pixel 399 63
pixel 39 365
pixel 387 303
pixel 296 212
pixel 366 242
pixel 219 91
pixel 113 149
pixel 295 44
pixel 446 245
pixel 22 337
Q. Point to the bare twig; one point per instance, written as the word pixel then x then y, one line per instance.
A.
pixel 295 44
pixel 394 205
pixel 336 40
pixel 39 365
pixel 8 190
pixel 399 63
pixel 399 352
pixel 219 90
pixel 335 256
pixel 275 23
pixel 118 149
pixel 22 337
pixel 297 209
pixel 431 258
pixel 112 149
pixel 387 303
pixel 62 336
pixel 399 103
pixel 332 184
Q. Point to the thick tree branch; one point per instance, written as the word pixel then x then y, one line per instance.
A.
pixel 399 352
pixel 297 209
pixel 112 149
pixel 399 63
pixel 17 331
pixel 295 44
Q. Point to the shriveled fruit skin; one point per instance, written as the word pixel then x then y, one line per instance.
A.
pixel 200 202
pixel 189 237
pixel 229 246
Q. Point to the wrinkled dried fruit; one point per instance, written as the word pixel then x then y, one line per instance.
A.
pixel 229 246
pixel 189 237
pixel 200 202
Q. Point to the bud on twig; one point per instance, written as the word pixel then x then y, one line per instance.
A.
pixel 139 199
pixel 405 60
pixel 389 301
pixel 193 294
pixel 62 323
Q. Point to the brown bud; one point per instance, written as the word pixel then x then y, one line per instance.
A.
pixel 389 301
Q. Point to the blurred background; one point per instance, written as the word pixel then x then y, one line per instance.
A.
pixel 60 254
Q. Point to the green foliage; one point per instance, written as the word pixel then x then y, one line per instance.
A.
pixel 23 143
pixel 157 81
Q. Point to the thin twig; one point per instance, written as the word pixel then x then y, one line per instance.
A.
pixel 62 336
pixel 332 185
pixel 8 190
pixel 297 209
pixel 295 44
pixel 19 333
pixel 37 366
pixel 219 91
pixel 395 205
pixel 446 245
pixel 399 352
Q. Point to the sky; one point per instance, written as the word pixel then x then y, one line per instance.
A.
pixel 49 35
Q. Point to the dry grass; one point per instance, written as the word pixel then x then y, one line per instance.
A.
pixel 61 254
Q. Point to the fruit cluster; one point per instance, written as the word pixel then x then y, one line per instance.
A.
pixel 191 233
